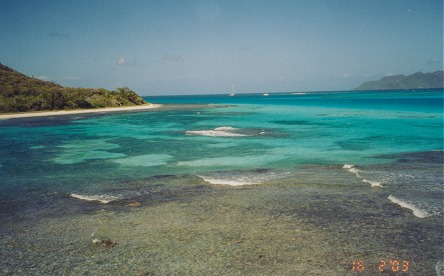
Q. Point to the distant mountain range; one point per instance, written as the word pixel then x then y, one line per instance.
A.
pixel 417 80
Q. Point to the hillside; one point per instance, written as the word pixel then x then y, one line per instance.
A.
pixel 417 80
pixel 20 93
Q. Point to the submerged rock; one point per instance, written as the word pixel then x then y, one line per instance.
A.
pixel 104 243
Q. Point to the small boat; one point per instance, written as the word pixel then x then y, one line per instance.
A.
pixel 232 92
pixel 266 94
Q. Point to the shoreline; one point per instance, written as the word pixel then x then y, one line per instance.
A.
pixel 77 111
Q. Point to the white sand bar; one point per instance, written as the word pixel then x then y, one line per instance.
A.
pixel 77 111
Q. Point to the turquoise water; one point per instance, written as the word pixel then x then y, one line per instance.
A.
pixel 389 144
pixel 279 132
pixel 285 131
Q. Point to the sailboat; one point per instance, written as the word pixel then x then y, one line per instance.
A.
pixel 232 91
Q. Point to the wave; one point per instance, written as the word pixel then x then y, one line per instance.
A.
pixel 225 131
pixel 352 169
pixel 100 198
pixel 230 182
pixel 373 183
pixel 241 178
pixel 225 128
pixel 358 173
pixel 416 211
pixel 439 268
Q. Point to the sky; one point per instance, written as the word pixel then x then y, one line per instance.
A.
pixel 169 47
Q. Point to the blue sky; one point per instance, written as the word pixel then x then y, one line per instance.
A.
pixel 207 46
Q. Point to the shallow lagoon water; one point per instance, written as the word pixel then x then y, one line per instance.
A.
pixel 289 206
pixel 184 226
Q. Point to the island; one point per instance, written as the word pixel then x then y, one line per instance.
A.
pixel 21 93
pixel 418 80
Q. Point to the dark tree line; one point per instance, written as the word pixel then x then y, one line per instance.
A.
pixel 20 93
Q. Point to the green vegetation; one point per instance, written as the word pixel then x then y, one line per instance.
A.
pixel 417 80
pixel 20 93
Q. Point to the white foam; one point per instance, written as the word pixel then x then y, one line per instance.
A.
pixel 100 198
pixel 224 131
pixel 373 183
pixel 357 172
pixel 213 133
pixel 217 181
pixel 352 169
pixel 225 128
pixel 416 211
pixel 240 178
pixel 439 268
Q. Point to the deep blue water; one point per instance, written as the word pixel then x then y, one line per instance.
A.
pixel 429 99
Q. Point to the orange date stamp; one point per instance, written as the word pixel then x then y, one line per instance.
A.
pixel 382 266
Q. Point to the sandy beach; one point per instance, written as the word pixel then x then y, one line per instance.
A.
pixel 77 111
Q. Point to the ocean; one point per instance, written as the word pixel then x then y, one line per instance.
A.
pixel 319 183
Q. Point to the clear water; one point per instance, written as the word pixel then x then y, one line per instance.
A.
pixel 338 166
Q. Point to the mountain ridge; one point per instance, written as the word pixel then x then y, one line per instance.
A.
pixel 418 80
